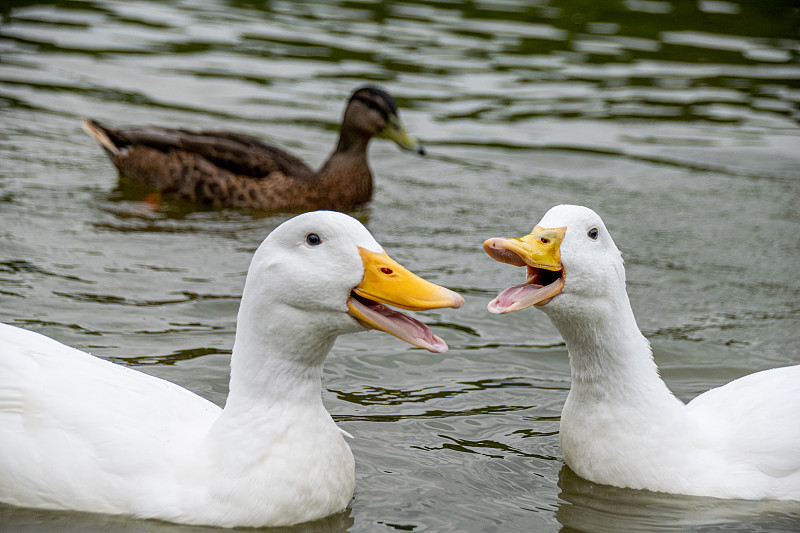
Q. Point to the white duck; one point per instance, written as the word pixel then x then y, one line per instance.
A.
pixel 620 424
pixel 81 433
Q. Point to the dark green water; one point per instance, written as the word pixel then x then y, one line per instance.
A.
pixel 677 121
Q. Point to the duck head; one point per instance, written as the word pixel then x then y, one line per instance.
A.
pixel 373 112
pixel 571 263
pixel 327 272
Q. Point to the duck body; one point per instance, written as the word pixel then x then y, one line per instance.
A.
pixel 81 433
pixel 88 435
pixel 231 169
pixel 620 424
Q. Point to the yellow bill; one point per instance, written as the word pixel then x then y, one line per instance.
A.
pixel 386 282
pixel 540 253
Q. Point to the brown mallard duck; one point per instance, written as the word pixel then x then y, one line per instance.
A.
pixel 232 169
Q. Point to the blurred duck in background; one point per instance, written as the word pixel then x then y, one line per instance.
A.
pixel 231 169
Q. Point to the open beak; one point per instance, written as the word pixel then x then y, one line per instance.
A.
pixel 387 282
pixel 395 131
pixel 540 253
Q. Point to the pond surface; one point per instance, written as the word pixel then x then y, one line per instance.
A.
pixel 676 121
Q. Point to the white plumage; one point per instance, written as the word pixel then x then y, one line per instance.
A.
pixel 621 425
pixel 81 433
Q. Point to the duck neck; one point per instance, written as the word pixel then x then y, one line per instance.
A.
pixel 274 423
pixel 610 359
pixel 346 179
pixel 277 362
pixel 351 143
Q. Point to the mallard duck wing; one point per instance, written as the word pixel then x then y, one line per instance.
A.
pixel 240 154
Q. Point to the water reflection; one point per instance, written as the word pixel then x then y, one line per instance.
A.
pixel 21 520
pixel 603 509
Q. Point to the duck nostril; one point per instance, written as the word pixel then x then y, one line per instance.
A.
pixel 544 240
pixel 387 270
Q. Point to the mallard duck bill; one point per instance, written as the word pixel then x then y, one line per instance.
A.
pixel 395 131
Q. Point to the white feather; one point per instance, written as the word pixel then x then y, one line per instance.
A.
pixel 622 426
pixel 81 433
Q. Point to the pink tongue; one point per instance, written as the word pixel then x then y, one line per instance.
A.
pixel 410 329
pixel 403 326
pixel 516 298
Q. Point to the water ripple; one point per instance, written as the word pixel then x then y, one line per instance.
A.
pixel 678 122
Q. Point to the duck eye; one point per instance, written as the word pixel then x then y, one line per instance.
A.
pixel 313 239
pixel 592 233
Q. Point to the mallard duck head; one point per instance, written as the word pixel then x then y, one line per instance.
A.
pixel 372 112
